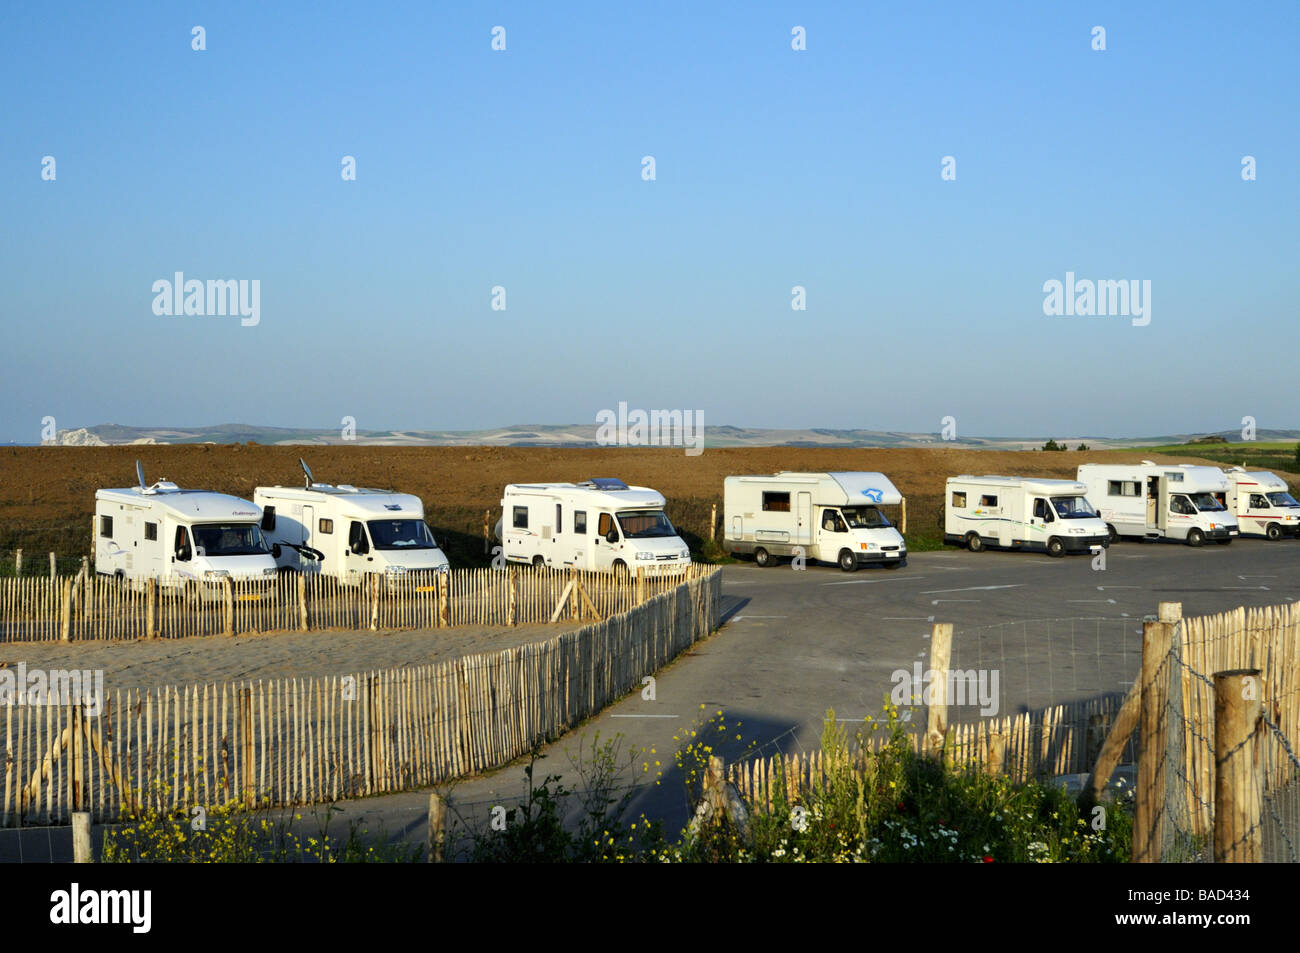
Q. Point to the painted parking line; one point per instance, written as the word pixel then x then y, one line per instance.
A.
pixel 871 582
pixel 931 592
pixel 645 716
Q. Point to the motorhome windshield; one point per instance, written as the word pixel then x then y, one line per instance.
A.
pixel 645 524
pixel 401 534
pixel 864 517
pixel 1282 499
pixel 1073 507
pixel 230 539
pixel 1205 503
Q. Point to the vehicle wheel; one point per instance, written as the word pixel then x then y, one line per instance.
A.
pixel 763 558
pixel 620 569
pixel 848 562
pixel 539 562
pixel 1195 537
pixel 1114 536
pixel 894 563
pixel 1274 531
pixel 974 543
pixel 1055 547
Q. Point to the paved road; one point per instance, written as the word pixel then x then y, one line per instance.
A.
pixel 796 643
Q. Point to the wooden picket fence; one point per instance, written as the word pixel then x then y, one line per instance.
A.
pixel 309 740
pixel 1265 638
pixel 1063 739
pixel 88 606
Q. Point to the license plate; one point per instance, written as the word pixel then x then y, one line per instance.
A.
pixel 426 588
pixel 891 555
pixel 247 598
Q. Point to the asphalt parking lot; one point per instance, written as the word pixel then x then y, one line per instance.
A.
pixel 797 643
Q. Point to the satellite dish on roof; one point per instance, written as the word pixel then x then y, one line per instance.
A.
pixel 139 475
pixel 307 470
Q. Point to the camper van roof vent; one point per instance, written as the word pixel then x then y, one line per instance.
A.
pixel 1148 463
pixel 347 486
pixel 606 483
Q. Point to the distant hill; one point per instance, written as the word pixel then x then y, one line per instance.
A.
pixel 584 435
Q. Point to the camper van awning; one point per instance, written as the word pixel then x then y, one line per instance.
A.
pixel 862 487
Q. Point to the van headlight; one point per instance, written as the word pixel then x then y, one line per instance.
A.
pixel 645 556
pixel 396 570
pixel 268 572
pixel 1075 530
pixel 216 574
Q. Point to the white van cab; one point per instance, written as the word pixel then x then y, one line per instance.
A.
pixel 181 538
pixel 1261 503
pixel 1051 516
pixel 829 517
pixel 602 524
pixel 349 532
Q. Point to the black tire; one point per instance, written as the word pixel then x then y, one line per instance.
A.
pixel 539 562
pixel 1195 537
pixel 620 569
pixel 1055 548
pixel 1114 536
pixel 974 543
pixel 848 562
pixel 1273 532
pixel 763 558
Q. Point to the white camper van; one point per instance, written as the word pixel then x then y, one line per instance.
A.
pixel 1051 516
pixel 182 538
pixel 348 532
pixel 1155 501
pixel 830 517
pixel 601 524
pixel 1261 503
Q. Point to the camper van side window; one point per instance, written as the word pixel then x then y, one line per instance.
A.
pixel 559 519
pixel 521 517
pixel 326 526
pixel 1258 502
pixel 106 527
pixel 606 524
pixel 268 518
pixel 580 522
pixel 1122 487
pixel 151 532
pixel 959 500
pixel 776 502
pixel 988 501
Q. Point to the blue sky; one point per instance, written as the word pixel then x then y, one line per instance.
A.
pixel 775 168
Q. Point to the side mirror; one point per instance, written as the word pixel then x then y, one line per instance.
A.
pixel 612 536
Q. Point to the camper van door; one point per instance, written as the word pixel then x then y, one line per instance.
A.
pixel 803 519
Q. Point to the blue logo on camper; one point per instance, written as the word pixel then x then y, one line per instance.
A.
pixel 873 494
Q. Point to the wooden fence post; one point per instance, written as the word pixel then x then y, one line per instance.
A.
pixel 18 562
pixel 81 853
pixel 444 599
pixel 228 592
pixel 65 611
pixel 54 568
pixel 1237 782
pixel 1149 811
pixel 302 601
pixel 246 745
pixel 902 516
pixel 937 709
pixel 437 828
pixel 374 602
pixel 514 588
pixel 640 584
pixel 151 608
pixel 713 522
